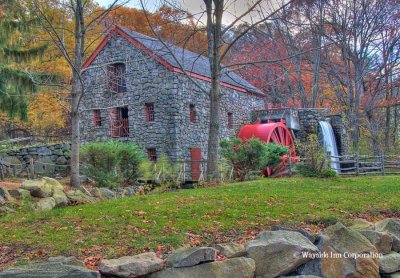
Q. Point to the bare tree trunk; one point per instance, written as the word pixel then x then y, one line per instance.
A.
pixel 214 35
pixel 77 91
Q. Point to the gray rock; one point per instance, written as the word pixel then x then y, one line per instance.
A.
pixel 231 268
pixel 60 198
pixel 303 276
pixel 393 275
pixel 55 184
pixel 61 160
pixel 20 194
pixel 48 270
pixel 38 188
pixel 191 256
pixel 4 194
pixel 132 266
pixel 66 260
pixel 231 250
pixel 362 224
pixel 382 241
pixel 390 263
pixel 96 192
pixel 278 253
pixel 79 197
pixel 7 210
pixel 337 241
pixel 2 201
pixel 107 193
pixel 301 231
pixel 392 227
pixel 45 204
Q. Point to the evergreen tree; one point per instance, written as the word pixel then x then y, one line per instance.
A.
pixel 15 50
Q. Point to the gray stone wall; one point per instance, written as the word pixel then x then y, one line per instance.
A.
pixel 308 121
pixel 172 93
pixel 49 160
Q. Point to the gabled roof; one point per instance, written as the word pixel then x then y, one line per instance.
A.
pixel 177 59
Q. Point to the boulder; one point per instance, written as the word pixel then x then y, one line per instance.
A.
pixel 382 241
pixel 79 197
pixel 232 268
pixel 45 204
pixel 107 193
pixel 7 210
pixel 131 266
pixel 38 188
pixel 2 201
pixel 337 246
pixel 4 194
pixel 48 270
pixel 278 253
pixel 191 256
pixel 55 184
pixel 20 194
pixel 66 260
pixel 303 276
pixel 60 198
pixel 393 275
pixel 96 192
pixel 392 227
pixel 390 263
pixel 362 224
pixel 231 250
pixel 301 231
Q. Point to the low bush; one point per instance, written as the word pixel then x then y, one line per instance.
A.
pixel 111 163
pixel 251 156
pixel 316 164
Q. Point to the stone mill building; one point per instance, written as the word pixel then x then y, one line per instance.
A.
pixel 141 90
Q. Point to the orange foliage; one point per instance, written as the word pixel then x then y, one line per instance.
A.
pixel 171 25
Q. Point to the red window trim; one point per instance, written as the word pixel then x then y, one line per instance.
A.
pixel 150 111
pixel 192 111
pixel 230 120
pixel 96 117
pixel 152 154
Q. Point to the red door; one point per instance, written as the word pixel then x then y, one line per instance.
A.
pixel 195 167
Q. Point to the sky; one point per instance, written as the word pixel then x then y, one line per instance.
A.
pixel 234 7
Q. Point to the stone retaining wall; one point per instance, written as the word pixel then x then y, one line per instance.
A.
pixel 49 160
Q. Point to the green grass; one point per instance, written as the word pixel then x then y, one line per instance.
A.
pixel 130 225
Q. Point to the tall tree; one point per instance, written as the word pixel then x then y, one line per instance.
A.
pixel 86 17
pixel 16 48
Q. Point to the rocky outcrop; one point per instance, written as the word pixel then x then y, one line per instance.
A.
pixel 341 245
pixel 382 241
pixel 231 268
pixel 49 270
pixel 278 253
pixel 191 256
pixel 231 250
pixel 392 227
pixel 390 263
pixel 132 266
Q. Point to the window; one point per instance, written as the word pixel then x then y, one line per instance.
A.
pixel 96 117
pixel 119 122
pixel 192 110
pixel 150 112
pixel 116 82
pixel 230 120
pixel 152 154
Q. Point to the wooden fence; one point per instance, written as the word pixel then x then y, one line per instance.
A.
pixel 350 165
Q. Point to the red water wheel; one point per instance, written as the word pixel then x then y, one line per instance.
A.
pixel 276 132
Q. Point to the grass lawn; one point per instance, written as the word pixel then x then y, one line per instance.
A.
pixel 200 216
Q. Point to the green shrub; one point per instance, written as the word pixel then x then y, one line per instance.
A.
pixel 252 156
pixel 316 164
pixel 111 163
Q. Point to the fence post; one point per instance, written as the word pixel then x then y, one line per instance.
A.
pixel 32 168
pixel 1 172
pixel 357 163
pixel 383 163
